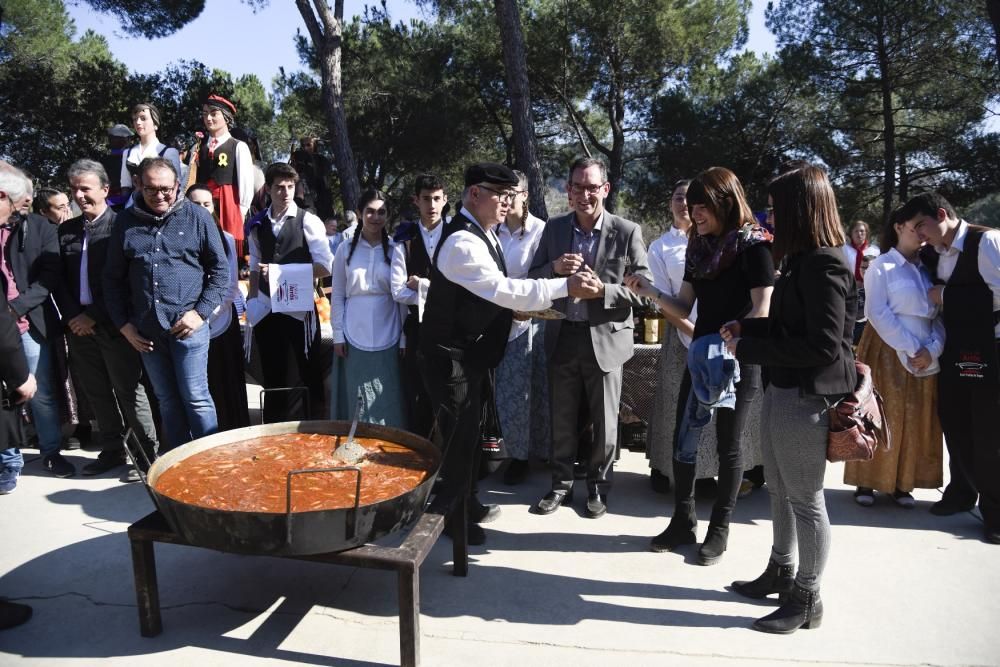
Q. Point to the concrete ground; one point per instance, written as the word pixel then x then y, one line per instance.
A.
pixel 902 588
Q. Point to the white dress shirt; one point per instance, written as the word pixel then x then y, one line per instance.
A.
pixel 400 292
pixel 897 306
pixel 466 261
pixel 667 256
pixel 313 229
pixel 363 311
pixel 222 316
pixel 518 249
pixel 989 261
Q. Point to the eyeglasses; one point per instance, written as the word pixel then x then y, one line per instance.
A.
pixel 504 197
pixel 163 192
pixel 578 189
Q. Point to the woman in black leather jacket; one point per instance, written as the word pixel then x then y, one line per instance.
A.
pixel 805 343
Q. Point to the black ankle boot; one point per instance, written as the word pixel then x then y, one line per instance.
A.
pixel 776 579
pixel 804 609
pixel 682 525
pixel 679 532
pixel 714 545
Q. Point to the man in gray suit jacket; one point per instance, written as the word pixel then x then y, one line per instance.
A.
pixel 586 350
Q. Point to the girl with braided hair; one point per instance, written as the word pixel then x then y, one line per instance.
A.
pixel 367 323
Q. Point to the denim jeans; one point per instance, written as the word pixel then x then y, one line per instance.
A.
pixel 178 371
pixel 44 405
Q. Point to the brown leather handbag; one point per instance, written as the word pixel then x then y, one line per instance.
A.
pixel 858 426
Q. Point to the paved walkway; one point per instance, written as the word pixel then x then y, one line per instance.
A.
pixel 902 588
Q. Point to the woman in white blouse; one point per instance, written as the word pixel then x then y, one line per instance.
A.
pixel 902 346
pixel 367 323
pixel 145 122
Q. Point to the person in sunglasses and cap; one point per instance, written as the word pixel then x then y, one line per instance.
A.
pixel 467 318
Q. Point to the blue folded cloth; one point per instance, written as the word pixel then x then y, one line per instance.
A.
pixel 714 374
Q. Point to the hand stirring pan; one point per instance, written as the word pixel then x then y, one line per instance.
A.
pixel 351 452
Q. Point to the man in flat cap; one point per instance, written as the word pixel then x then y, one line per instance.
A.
pixel 586 350
pixel 225 165
pixel 467 318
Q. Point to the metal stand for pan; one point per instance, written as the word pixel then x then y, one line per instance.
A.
pixel 405 560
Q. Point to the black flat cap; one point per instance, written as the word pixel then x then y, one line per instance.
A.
pixel 489 172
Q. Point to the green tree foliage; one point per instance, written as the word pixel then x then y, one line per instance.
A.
pixel 58 94
pixel 904 85
pixel 749 117
pixel 608 61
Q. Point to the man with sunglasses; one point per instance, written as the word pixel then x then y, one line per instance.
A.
pixel 587 349
pixel 166 271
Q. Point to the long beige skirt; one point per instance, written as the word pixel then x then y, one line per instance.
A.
pixel 915 460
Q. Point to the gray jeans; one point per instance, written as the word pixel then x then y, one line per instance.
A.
pixel 793 441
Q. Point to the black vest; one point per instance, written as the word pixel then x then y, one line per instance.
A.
pixel 457 323
pixel 970 345
pixel 221 167
pixel 290 246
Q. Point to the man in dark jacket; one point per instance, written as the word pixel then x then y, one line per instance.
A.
pixel 29 271
pixel 165 272
pixel 16 386
pixel 105 367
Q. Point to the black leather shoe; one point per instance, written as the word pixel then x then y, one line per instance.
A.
pixel 474 534
pixel 991 535
pixel 659 481
pixel 480 513
pixel 103 464
pixel 597 505
pixel 13 614
pixel 947 507
pixel 516 472
pixel 552 500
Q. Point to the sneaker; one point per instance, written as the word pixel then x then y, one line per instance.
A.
pixel 904 499
pixel 8 479
pixel 71 442
pixel 131 476
pixel 864 496
pixel 58 466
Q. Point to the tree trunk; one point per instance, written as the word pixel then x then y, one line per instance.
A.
pixel 993 9
pixel 904 178
pixel 326 30
pixel 616 166
pixel 888 127
pixel 516 67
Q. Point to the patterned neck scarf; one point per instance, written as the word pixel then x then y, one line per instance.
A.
pixel 708 256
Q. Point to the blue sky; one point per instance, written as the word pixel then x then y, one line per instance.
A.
pixel 230 37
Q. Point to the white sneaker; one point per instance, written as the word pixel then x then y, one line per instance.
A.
pixel 904 500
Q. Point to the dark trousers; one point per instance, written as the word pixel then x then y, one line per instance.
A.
pixel 108 370
pixel 420 416
pixel 970 419
pixel 729 430
pixel 455 391
pixel 575 381
pixel 280 342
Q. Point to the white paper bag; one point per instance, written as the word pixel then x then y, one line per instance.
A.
pixel 291 287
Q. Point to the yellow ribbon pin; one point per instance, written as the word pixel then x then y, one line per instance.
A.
pixel 223 160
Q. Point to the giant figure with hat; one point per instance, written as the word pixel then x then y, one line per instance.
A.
pixel 225 165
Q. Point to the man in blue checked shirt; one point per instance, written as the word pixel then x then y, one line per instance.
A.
pixel 166 272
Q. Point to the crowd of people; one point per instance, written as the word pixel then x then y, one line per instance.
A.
pixel 492 324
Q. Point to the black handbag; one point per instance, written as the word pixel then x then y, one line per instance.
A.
pixel 493 450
